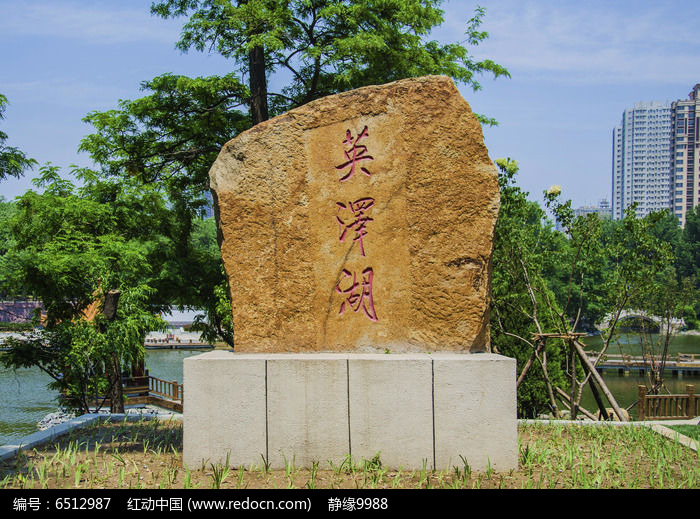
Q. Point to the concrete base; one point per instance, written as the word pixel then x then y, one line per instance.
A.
pixel 415 410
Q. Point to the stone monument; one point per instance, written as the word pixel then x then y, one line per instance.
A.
pixel 361 221
pixel 357 225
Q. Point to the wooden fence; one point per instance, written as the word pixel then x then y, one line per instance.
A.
pixel 156 391
pixel 667 407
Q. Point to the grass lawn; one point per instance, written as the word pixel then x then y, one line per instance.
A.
pixel 148 454
pixel 691 431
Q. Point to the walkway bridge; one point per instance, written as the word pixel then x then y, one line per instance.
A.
pixel 636 315
pixel 151 391
pixel 679 365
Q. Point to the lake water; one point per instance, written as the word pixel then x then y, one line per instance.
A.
pixel 624 387
pixel 25 399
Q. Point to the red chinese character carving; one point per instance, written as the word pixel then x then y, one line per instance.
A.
pixel 358 209
pixel 355 154
pixel 359 295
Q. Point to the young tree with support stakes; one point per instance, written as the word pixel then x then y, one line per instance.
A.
pixel 530 259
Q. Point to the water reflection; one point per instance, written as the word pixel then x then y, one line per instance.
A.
pixel 630 344
pixel 624 387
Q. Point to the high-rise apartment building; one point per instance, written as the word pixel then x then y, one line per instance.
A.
pixel 641 159
pixel 685 149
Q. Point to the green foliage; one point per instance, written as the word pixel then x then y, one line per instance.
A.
pixel 13 162
pixel 329 46
pixel 217 322
pixel 69 241
pixel 172 136
pixel 688 248
pixel 550 283
pixel 7 211
pixel 525 249
pixel 70 247
pixel 636 257
pixel 688 263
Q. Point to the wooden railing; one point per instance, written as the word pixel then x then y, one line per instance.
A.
pixel 667 407
pixel 684 358
pixel 148 389
pixel 165 388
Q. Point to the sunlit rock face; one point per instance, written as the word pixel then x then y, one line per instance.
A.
pixel 361 222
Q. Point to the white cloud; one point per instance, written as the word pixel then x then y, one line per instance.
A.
pixel 610 42
pixel 96 23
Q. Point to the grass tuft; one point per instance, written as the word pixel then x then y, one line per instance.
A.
pixel 148 454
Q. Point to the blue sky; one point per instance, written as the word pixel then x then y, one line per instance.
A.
pixel 575 67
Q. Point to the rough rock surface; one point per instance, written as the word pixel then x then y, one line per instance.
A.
pixel 361 222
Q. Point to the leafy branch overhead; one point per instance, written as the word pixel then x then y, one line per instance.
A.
pixel 323 47
pixel 13 162
pixel 172 135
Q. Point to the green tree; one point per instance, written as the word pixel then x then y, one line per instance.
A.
pixel 327 46
pixel 7 211
pixel 168 141
pixel 688 263
pixel 78 250
pixel 545 282
pixel 688 252
pixel 13 162
pixel 171 136
pixel 525 247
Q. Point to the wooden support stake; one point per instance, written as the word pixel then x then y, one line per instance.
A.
pixel 566 397
pixel 584 358
pixel 596 395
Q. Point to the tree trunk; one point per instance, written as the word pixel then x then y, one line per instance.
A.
pixel 552 400
pixel 114 369
pixel 596 395
pixel 116 390
pixel 258 85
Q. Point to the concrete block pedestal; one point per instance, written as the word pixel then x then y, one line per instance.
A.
pixel 414 410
